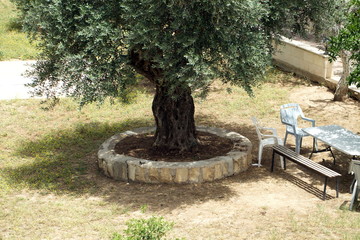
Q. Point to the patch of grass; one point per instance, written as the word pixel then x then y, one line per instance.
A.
pixel 13 42
pixel 326 224
pixel 153 228
pixel 50 150
pixel 238 104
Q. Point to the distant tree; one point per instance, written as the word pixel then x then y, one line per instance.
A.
pixel 346 45
pixel 93 48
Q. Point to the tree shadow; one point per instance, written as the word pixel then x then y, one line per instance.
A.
pixel 65 162
pixel 168 197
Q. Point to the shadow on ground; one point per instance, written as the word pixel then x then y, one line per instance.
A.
pixel 65 162
pixel 61 161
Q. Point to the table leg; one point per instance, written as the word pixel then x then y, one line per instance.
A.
pixel 327 149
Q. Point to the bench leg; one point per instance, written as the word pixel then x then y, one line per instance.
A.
pixel 272 161
pixel 324 194
pixel 337 187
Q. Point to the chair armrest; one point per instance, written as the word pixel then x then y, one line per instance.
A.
pixel 276 139
pixel 309 120
pixel 289 124
pixel 273 130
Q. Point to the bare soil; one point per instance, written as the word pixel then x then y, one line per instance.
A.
pixel 141 146
pixel 256 204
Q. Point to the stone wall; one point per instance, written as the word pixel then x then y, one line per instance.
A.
pixel 303 59
pixel 308 61
pixel 125 168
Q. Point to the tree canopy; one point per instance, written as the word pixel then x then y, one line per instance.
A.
pixel 348 40
pixel 92 49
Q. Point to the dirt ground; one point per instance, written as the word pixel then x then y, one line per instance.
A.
pixel 141 146
pixel 256 204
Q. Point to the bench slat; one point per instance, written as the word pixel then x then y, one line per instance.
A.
pixel 295 157
pixel 308 163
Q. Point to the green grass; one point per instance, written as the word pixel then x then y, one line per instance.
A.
pixel 13 42
pixel 48 149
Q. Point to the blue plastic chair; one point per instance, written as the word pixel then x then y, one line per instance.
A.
pixel 289 114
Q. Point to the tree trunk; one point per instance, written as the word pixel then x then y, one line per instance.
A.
pixel 174 115
pixel 342 86
pixel 174 118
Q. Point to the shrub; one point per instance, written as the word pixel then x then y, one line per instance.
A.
pixel 153 228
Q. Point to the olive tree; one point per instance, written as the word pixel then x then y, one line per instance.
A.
pixel 92 49
pixel 346 45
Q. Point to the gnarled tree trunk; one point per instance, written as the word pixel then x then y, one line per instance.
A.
pixel 174 118
pixel 174 114
pixel 341 92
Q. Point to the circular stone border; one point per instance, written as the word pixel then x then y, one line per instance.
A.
pixel 126 168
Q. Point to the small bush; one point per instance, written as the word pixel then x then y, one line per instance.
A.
pixel 153 228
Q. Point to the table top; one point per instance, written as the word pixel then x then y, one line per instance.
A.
pixel 337 137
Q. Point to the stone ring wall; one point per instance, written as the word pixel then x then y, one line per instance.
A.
pixel 126 168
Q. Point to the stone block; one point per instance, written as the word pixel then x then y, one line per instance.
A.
pixel 224 168
pixel 236 165
pixel 166 175
pixel 181 175
pixel 243 164
pixel 140 174
pixel 131 171
pixel 218 173
pixel 154 175
pixel 230 167
pixel 109 168
pixel 120 170
pixel 195 175
pixel 208 173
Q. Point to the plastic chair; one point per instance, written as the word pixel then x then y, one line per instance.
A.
pixel 355 169
pixel 266 140
pixel 289 113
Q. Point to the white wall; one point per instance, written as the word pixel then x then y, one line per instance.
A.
pixel 303 59
pixel 308 61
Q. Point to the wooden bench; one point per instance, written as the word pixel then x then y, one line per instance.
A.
pixel 305 162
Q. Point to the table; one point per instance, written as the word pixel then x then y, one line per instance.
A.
pixel 336 137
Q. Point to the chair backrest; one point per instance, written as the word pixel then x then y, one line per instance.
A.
pixel 290 112
pixel 257 127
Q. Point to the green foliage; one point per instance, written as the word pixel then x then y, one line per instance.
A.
pixel 91 48
pixel 153 228
pixel 299 17
pixel 349 40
